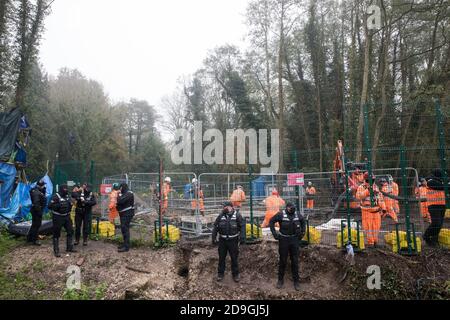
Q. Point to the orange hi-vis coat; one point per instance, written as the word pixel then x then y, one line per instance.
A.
pixel 371 215
pixel 200 204
pixel 113 213
pixel 421 193
pixel 311 191
pixel 237 197
pixel 435 197
pixel 392 207
pixel 273 205
pixel 166 191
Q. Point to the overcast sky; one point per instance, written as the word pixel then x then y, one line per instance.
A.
pixel 138 48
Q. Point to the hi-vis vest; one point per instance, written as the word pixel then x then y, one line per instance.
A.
pixel 435 197
pixel 228 228
pixel 363 194
pixel 288 225
pixel 65 205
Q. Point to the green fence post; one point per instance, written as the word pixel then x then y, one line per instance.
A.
pixel 250 174
pixel 297 188
pixel 347 191
pixel 405 197
pixel 368 150
pixel 92 174
pixel 442 151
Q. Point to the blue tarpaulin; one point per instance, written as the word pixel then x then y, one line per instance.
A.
pixel 7 176
pixel 20 205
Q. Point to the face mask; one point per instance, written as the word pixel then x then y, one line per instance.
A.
pixel 291 210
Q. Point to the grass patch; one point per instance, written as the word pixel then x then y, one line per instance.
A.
pixel 86 293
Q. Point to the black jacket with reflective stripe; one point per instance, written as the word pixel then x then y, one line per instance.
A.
pixel 125 202
pixel 61 205
pixel 290 224
pixel 38 200
pixel 228 224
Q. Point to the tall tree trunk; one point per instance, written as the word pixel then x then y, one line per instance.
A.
pixel 364 93
pixel 281 91
pixel 28 43
pixel 300 98
pixel 384 98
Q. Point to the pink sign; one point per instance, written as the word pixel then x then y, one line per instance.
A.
pixel 296 179
pixel 105 189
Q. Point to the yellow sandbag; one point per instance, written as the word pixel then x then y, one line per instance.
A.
pixel 404 245
pixel 447 214
pixel 257 231
pixel 354 235
pixel 315 236
pixel 391 238
pixel 174 233
pixel 105 229
pixel 444 238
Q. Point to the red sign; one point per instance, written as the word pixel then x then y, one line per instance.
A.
pixel 296 179
pixel 105 189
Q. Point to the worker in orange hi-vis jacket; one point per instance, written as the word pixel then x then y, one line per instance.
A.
pixel 166 190
pixel 421 193
pixel 238 197
pixel 273 203
pixel 371 212
pixel 197 197
pixel 395 192
pixel 391 204
pixel 113 213
pixel 310 195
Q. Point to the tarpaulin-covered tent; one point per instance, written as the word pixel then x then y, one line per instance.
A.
pixel 17 216
pixel 9 131
pixel 7 176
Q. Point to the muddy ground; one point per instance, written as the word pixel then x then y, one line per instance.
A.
pixel 188 270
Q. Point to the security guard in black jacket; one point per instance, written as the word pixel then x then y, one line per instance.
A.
pixel 61 206
pixel 38 203
pixel 292 230
pixel 125 207
pixel 85 200
pixel 228 225
pixel 436 203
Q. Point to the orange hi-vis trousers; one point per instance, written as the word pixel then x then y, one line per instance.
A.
pixel 371 221
pixel 309 204
pixel 392 207
pixel 371 215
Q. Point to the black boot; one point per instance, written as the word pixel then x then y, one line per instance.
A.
pixel 280 284
pixel 85 241
pixel 56 247
pixel 77 241
pixel 297 285
pixel 70 245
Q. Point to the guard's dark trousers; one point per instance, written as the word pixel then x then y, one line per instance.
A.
pixel 82 222
pixel 125 221
pixel 437 213
pixel 288 246
pixel 35 226
pixel 65 222
pixel 229 246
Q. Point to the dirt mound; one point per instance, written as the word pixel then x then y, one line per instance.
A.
pixel 188 271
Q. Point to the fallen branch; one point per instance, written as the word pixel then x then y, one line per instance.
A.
pixel 397 256
pixel 138 270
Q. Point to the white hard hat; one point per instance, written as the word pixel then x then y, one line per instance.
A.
pixel 194 180
pixel 168 180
